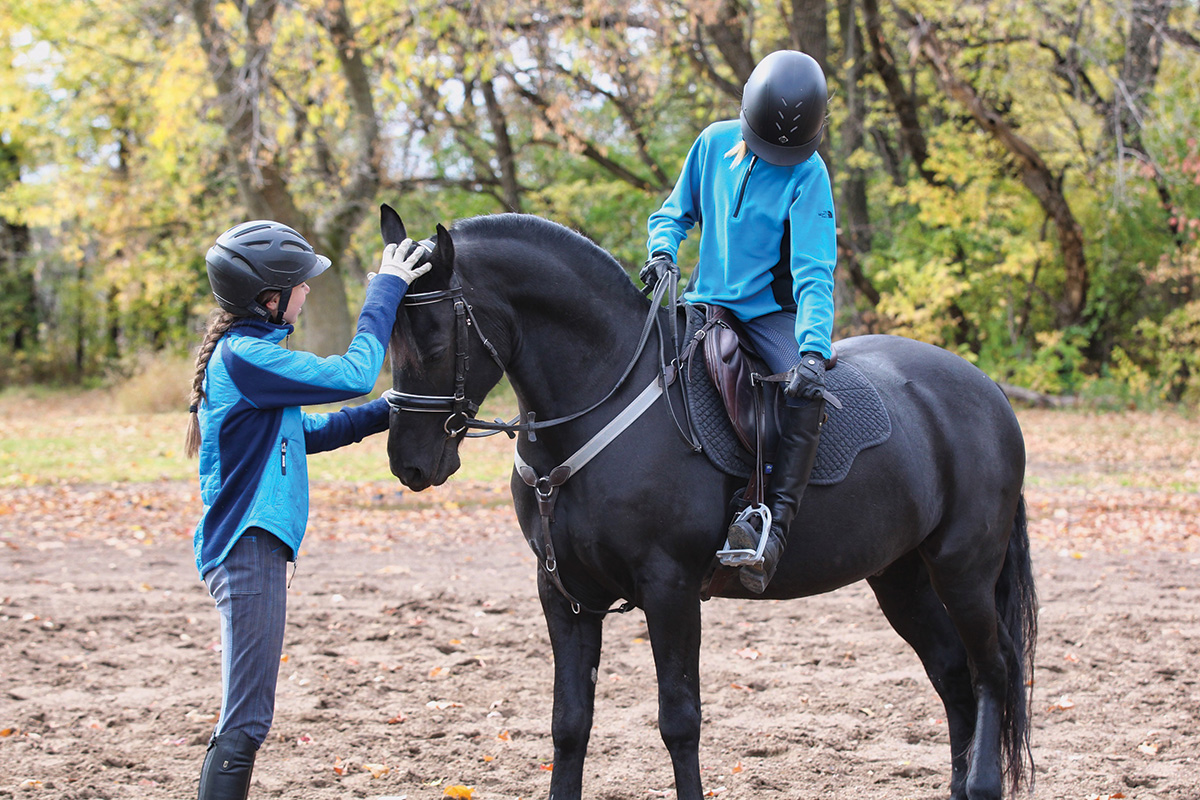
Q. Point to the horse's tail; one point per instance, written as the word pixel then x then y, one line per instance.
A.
pixel 1016 603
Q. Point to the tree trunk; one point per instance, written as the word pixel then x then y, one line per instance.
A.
pixel 853 213
pixel 504 148
pixel 726 32
pixel 810 31
pixel 904 103
pixel 326 325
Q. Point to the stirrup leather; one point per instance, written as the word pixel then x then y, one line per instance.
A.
pixel 741 557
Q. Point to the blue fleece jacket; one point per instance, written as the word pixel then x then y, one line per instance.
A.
pixel 255 436
pixel 768 236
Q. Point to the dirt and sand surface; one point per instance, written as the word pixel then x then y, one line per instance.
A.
pixel 417 660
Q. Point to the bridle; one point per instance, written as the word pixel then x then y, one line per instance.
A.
pixel 460 410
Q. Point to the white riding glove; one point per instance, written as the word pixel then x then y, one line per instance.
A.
pixel 404 268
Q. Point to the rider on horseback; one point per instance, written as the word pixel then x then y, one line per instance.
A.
pixel 767 252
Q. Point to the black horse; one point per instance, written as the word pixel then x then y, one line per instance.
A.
pixel 933 519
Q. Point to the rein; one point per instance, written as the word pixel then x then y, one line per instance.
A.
pixel 461 414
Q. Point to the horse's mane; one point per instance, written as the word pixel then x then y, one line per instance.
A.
pixel 532 232
pixel 580 251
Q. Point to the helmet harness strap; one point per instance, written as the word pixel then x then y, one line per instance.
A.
pixel 285 297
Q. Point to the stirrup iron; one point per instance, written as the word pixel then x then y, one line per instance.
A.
pixel 740 557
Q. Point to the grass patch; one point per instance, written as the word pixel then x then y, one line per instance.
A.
pixel 60 436
pixel 73 436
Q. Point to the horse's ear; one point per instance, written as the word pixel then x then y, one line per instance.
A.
pixel 390 225
pixel 443 250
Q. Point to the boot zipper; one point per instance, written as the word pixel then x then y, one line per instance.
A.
pixel 283 456
pixel 737 209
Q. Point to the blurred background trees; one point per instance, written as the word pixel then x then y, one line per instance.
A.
pixel 1017 182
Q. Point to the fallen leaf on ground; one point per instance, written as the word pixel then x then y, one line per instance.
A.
pixel 459 792
pixel 377 770
pixel 200 716
pixel 441 705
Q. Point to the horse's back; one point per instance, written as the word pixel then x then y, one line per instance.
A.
pixel 928 385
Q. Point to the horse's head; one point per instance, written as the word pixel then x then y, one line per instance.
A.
pixel 441 370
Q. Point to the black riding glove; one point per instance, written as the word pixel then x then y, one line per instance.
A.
pixel 656 268
pixel 807 379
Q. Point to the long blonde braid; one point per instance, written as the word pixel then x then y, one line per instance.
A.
pixel 219 322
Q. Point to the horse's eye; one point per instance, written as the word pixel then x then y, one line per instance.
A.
pixel 435 354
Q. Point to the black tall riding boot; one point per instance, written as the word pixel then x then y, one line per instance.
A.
pixel 227 767
pixel 800 431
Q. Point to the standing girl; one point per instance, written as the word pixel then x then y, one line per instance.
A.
pixel 252 438
pixel 768 246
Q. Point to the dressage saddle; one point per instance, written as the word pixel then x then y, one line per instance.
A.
pixel 736 372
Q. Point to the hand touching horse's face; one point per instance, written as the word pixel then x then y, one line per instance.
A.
pixel 425 359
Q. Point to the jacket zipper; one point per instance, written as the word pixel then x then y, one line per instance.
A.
pixel 737 209
pixel 283 456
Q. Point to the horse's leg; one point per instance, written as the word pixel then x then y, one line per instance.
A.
pixel 672 606
pixel 575 640
pixel 964 565
pixel 915 612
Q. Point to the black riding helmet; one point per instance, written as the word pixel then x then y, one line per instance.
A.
pixel 783 108
pixel 255 256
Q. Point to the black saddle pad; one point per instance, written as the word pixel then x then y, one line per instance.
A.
pixel 861 422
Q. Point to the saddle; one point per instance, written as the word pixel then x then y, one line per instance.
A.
pixel 752 404
pixel 735 417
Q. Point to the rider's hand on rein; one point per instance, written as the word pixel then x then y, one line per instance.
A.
pixel 656 268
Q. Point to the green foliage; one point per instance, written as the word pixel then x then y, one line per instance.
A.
pixel 115 162
pixel 1056 366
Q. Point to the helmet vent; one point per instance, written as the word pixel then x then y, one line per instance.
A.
pixel 250 229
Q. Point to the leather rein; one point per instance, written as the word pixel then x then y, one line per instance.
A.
pixel 461 411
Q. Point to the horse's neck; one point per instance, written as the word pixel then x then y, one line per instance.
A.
pixel 574 341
